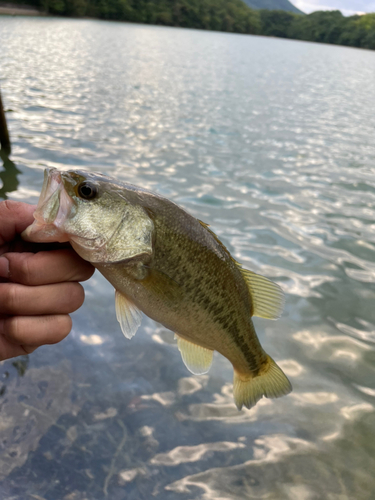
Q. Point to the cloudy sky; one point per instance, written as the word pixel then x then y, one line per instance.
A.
pixel 347 7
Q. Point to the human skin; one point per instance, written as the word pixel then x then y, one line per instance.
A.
pixel 39 285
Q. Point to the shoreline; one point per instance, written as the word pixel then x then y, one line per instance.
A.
pixel 13 9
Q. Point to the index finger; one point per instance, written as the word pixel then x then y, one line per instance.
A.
pixel 44 268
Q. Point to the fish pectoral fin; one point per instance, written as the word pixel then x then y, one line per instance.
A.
pixel 271 382
pixel 197 359
pixel 267 297
pixel 127 314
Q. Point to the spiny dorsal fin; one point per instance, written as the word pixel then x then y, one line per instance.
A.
pixel 197 359
pixel 204 224
pixel 127 314
pixel 267 297
pixel 207 226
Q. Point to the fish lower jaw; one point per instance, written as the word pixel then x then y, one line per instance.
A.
pixel 40 232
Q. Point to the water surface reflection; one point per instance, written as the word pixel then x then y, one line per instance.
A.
pixel 269 141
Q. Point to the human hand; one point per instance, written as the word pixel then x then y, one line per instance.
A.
pixel 38 287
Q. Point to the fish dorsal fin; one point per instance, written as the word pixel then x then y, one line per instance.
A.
pixel 207 227
pixel 267 297
pixel 127 314
pixel 204 224
pixel 197 359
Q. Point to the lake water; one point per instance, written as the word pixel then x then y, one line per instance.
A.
pixel 272 143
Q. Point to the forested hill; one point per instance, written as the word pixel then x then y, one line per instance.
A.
pixel 224 15
pixel 273 5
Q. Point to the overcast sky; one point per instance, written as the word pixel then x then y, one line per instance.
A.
pixel 347 7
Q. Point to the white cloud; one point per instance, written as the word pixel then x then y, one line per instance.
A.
pixel 347 7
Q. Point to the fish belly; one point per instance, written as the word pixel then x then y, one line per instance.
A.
pixel 236 339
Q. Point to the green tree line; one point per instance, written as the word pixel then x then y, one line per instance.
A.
pixel 322 26
pixel 224 15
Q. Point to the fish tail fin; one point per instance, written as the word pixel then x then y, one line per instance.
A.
pixel 271 382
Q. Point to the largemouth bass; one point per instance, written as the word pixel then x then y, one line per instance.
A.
pixel 171 266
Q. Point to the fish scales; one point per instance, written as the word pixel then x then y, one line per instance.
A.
pixel 216 272
pixel 171 266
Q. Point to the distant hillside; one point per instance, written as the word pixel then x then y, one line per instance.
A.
pixel 273 5
pixel 225 15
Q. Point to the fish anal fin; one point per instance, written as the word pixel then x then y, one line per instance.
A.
pixel 271 382
pixel 127 314
pixel 267 297
pixel 197 359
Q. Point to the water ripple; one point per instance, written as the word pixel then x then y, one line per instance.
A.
pixel 270 142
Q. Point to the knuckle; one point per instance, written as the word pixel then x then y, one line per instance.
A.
pixel 10 208
pixel 26 271
pixel 12 328
pixel 10 298
pixel 8 205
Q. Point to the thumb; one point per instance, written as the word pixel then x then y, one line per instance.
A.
pixel 15 216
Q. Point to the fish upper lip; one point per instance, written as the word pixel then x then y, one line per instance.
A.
pixel 49 197
pixel 54 203
pixel 54 207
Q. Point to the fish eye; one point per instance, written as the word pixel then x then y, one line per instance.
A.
pixel 87 190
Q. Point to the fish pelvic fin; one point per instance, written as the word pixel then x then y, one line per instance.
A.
pixel 271 382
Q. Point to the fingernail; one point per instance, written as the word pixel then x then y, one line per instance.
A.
pixel 4 267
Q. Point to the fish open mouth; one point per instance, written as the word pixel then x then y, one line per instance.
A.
pixel 54 207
